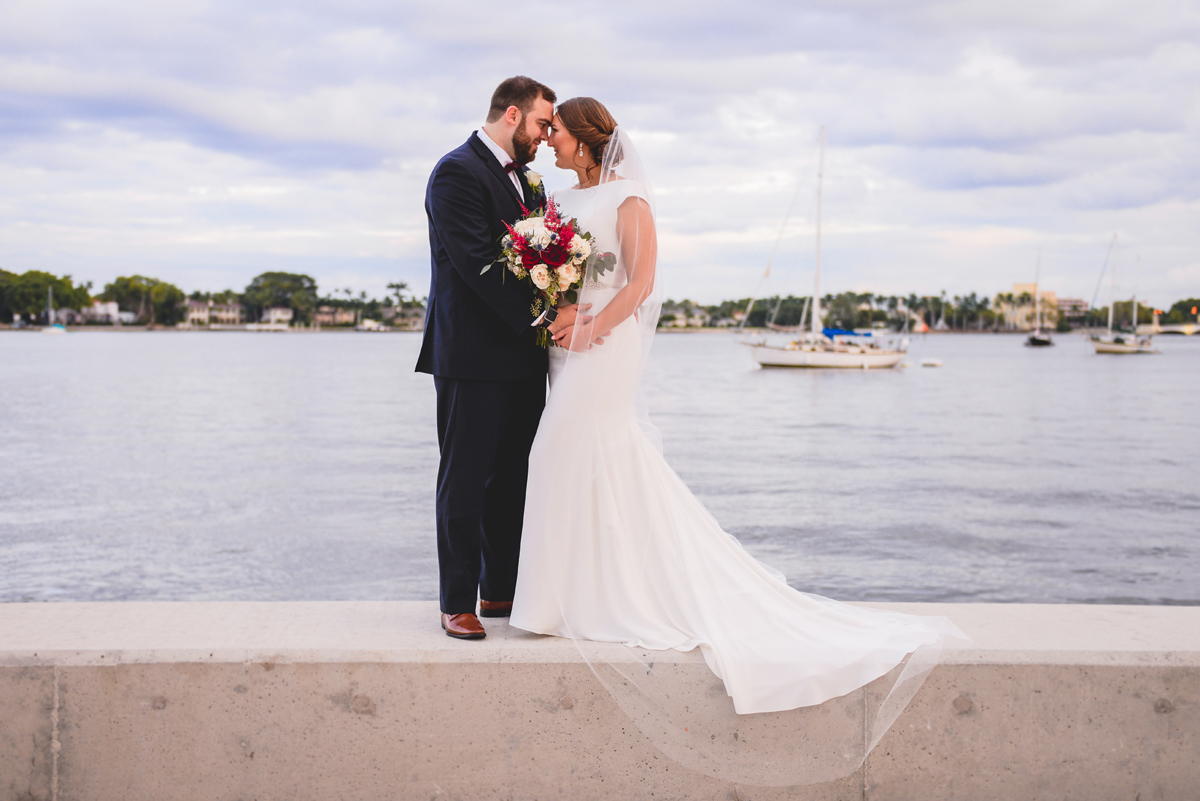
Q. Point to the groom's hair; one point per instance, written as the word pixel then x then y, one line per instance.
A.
pixel 521 92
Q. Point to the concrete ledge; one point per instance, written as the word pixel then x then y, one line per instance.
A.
pixel 372 701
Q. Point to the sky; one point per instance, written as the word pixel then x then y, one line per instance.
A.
pixel 206 141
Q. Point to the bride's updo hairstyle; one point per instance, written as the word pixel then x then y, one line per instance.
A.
pixel 586 119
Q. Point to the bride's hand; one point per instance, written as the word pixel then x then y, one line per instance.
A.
pixel 581 336
pixel 566 317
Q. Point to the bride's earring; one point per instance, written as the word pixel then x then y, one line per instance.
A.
pixel 581 150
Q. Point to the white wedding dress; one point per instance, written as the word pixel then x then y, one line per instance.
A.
pixel 615 548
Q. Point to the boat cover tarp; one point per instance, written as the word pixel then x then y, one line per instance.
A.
pixel 833 332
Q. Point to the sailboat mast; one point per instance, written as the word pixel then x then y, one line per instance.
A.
pixel 816 299
pixel 1112 296
pixel 1136 264
pixel 1037 303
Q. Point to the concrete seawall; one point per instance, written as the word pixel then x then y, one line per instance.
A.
pixel 371 701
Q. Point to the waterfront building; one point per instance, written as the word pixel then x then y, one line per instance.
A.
pixel 102 312
pixel 372 325
pixel 405 318
pixel 334 315
pixel 227 314
pixel 685 315
pixel 65 316
pixel 1073 310
pixel 277 315
pixel 197 313
pixel 1020 316
pixel 206 313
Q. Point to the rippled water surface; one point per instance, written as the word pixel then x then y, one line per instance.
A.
pixel 240 466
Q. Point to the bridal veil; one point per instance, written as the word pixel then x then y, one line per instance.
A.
pixel 675 619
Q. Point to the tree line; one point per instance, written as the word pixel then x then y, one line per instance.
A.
pixel 156 302
pixel 959 312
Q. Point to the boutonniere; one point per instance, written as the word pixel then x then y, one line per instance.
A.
pixel 535 181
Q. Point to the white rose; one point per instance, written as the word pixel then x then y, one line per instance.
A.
pixel 564 282
pixel 534 230
pixel 524 226
pixel 534 178
pixel 540 276
pixel 570 272
pixel 580 247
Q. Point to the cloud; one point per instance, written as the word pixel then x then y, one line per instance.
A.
pixel 203 141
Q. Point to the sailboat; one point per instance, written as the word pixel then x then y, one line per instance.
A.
pixel 824 347
pixel 1118 343
pixel 1037 339
pixel 52 327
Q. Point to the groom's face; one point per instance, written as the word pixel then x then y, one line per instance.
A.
pixel 531 130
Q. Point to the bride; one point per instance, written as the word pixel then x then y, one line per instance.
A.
pixel 616 549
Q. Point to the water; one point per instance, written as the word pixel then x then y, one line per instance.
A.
pixel 239 466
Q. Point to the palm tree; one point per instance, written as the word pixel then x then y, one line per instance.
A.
pixel 1023 300
pixel 398 288
pixel 1003 299
pixel 970 307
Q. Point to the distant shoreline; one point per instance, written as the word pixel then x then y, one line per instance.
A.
pixel 126 329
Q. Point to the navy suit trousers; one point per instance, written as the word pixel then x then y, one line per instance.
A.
pixel 485 431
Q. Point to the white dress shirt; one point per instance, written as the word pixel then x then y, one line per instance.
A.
pixel 501 157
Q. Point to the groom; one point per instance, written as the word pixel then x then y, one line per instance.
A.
pixel 489 372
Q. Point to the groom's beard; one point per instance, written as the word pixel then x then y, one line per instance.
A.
pixel 524 148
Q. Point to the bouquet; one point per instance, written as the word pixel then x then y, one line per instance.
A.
pixel 553 254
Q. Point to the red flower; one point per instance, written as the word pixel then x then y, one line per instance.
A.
pixel 555 256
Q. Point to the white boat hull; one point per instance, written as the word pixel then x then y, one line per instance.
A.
pixel 1119 347
pixel 866 359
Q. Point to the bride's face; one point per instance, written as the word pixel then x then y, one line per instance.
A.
pixel 565 147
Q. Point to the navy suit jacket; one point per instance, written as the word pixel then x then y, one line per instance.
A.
pixel 476 326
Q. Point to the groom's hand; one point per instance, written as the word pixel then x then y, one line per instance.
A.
pixel 563 338
pixel 566 318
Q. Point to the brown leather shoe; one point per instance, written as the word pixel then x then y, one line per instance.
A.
pixel 464 627
pixel 495 608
